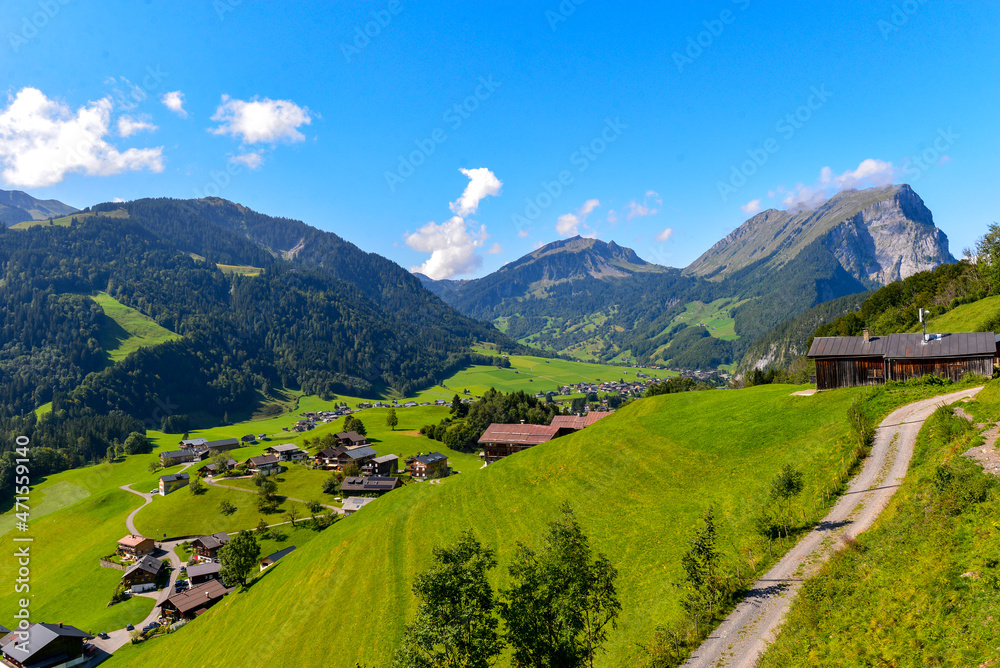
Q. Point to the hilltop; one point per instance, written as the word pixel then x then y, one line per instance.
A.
pixel 17 207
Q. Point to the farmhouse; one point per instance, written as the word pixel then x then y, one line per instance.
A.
pixel 169 483
pixel 46 646
pixel 385 465
pixel 140 575
pixel 210 469
pixel 349 438
pixel 849 361
pixel 578 422
pixel 271 558
pixel 200 573
pixel 264 465
pixel 287 452
pixel 207 547
pixel 194 601
pixel 192 443
pixel 339 457
pixel 175 457
pixel 221 445
pixel 134 546
pixel 355 503
pixel 431 465
pixel 501 440
pixel 361 485
pixel 329 457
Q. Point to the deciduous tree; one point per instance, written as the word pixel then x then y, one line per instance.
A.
pixel 238 558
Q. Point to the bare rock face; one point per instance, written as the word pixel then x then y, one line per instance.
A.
pixel 890 240
pixel 878 235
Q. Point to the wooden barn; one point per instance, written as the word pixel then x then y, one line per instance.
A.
pixel 850 361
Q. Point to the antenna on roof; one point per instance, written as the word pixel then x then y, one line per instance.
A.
pixel 923 323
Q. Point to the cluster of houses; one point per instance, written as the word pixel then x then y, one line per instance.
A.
pixel 503 440
pixel 198 449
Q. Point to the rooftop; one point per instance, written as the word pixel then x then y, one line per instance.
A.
pixel 522 434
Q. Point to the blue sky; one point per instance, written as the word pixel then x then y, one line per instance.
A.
pixel 457 136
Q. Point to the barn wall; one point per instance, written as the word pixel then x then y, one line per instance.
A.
pixel 945 367
pixel 849 372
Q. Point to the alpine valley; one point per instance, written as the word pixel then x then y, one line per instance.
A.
pixel 596 300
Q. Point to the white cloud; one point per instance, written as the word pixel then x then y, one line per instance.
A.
pixel 522 233
pixel 870 172
pixel 647 208
pixel 118 199
pixel 174 101
pixel 571 224
pixel 751 207
pixel 128 125
pixel 261 120
pixel 252 160
pixel 454 245
pixel 41 141
pixel 663 236
pixel 612 216
pixel 482 183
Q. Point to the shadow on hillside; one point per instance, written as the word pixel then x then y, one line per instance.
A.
pixel 260 576
pixel 110 336
pixel 831 526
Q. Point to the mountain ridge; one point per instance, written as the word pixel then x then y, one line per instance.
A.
pixel 17 206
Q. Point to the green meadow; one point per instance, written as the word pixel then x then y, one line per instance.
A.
pixel 126 330
pixel 639 481
pixel 921 587
pixel 714 316
pixel 965 318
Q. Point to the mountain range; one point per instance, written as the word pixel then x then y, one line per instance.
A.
pixel 18 207
pixel 591 299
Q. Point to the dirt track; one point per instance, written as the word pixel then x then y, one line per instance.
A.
pixel 744 635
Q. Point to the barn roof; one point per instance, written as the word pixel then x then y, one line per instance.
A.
pixel 524 434
pixel 906 346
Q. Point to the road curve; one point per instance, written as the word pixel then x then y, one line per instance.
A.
pixel 742 637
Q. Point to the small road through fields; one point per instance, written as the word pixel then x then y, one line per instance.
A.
pixel 740 640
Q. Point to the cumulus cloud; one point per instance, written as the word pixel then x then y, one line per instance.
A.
pixel 647 208
pixel 751 207
pixel 129 125
pixel 482 183
pixel 869 172
pixel 572 224
pixel 174 101
pixel 41 141
pixel 252 160
pixel 522 233
pixel 261 120
pixel 663 236
pixel 455 245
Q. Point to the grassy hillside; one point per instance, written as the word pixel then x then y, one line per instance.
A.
pixel 65 220
pixel 966 318
pixel 919 588
pixel 126 330
pixel 639 480
pixel 715 316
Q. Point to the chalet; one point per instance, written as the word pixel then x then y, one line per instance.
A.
pixel 578 422
pixel 221 445
pixel 44 646
pixel 287 452
pixel 431 465
pixel 135 546
pixel 849 361
pixel 329 457
pixel 385 465
pixel 262 437
pixel 249 438
pixel 201 573
pixel 141 575
pixel 363 485
pixel 501 440
pixel 194 601
pixel 271 558
pixel 207 547
pixel 175 457
pixel 350 438
pixel 210 469
pixel 264 465
pixel 355 503
pixel 170 483
pixel 193 443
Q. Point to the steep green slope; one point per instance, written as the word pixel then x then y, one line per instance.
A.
pixel 919 588
pixel 126 330
pixel 639 480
